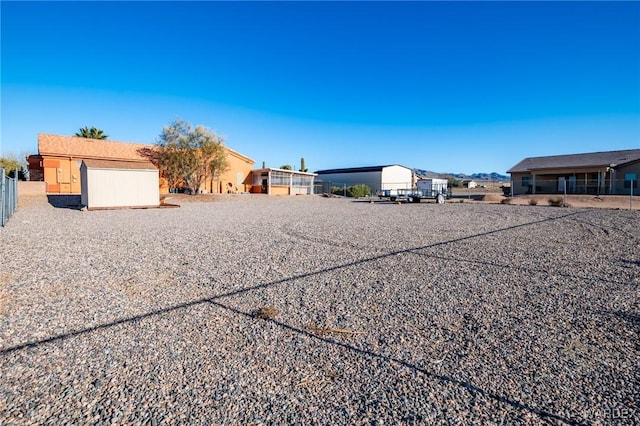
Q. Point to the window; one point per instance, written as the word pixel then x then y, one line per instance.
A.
pixel 301 180
pixel 525 180
pixel 280 178
pixel 629 178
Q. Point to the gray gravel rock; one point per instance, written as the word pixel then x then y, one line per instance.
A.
pixel 383 314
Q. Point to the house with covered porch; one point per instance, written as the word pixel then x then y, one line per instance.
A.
pixel 274 181
pixel 600 173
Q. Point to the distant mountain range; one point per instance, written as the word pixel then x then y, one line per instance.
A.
pixel 475 176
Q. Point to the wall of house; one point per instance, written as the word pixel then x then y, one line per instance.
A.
pixel 621 185
pixel 516 183
pixel 235 179
pixel 280 190
pixel 36 172
pixel 62 175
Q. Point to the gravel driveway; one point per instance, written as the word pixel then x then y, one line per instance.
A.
pixel 311 310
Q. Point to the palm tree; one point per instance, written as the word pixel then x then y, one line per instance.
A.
pixel 91 133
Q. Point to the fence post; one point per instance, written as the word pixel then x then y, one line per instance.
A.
pixel 8 196
pixel 631 196
pixel 15 193
pixel 2 196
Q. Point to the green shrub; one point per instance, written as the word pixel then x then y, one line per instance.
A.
pixel 533 202
pixel 10 166
pixel 456 183
pixel 357 191
pixel 354 191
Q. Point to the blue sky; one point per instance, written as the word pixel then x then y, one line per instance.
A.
pixel 449 87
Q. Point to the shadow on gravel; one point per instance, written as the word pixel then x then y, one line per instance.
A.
pixel 632 318
pixel 370 354
pixel 588 278
pixel 64 201
pixel 213 301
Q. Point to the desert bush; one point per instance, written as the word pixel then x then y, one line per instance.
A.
pixel 267 312
pixel 358 191
pixel 354 191
pixel 533 202
pixel 456 183
pixel 557 202
pixel 506 201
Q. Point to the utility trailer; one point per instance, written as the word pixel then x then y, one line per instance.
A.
pixel 426 189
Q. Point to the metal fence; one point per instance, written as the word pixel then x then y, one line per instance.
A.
pixel 329 187
pixel 320 187
pixel 576 185
pixel 8 196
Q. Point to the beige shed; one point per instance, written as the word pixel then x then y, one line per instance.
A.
pixel 113 184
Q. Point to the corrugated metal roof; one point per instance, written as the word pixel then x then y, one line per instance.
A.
pixel 129 165
pixel 593 159
pixel 355 169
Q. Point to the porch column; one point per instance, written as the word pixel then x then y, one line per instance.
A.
pixel 599 182
pixel 612 181
pixel 533 183
pixel 269 183
pixel 586 183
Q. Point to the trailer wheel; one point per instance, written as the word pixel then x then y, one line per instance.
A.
pixel 440 199
pixel 392 198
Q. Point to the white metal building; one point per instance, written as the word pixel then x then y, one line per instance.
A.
pixel 375 177
pixel 111 184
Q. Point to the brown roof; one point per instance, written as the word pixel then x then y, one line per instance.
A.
pixel 76 147
pixel 592 159
pixel 110 164
pixel 71 146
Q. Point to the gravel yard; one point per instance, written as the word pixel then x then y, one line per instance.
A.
pixel 378 314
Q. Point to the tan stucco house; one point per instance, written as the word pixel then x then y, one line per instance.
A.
pixel 59 159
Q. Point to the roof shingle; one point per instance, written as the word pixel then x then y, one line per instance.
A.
pixel 110 164
pixel 76 147
pixel 592 159
pixel 72 146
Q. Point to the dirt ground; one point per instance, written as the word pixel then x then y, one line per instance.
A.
pixel 618 202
